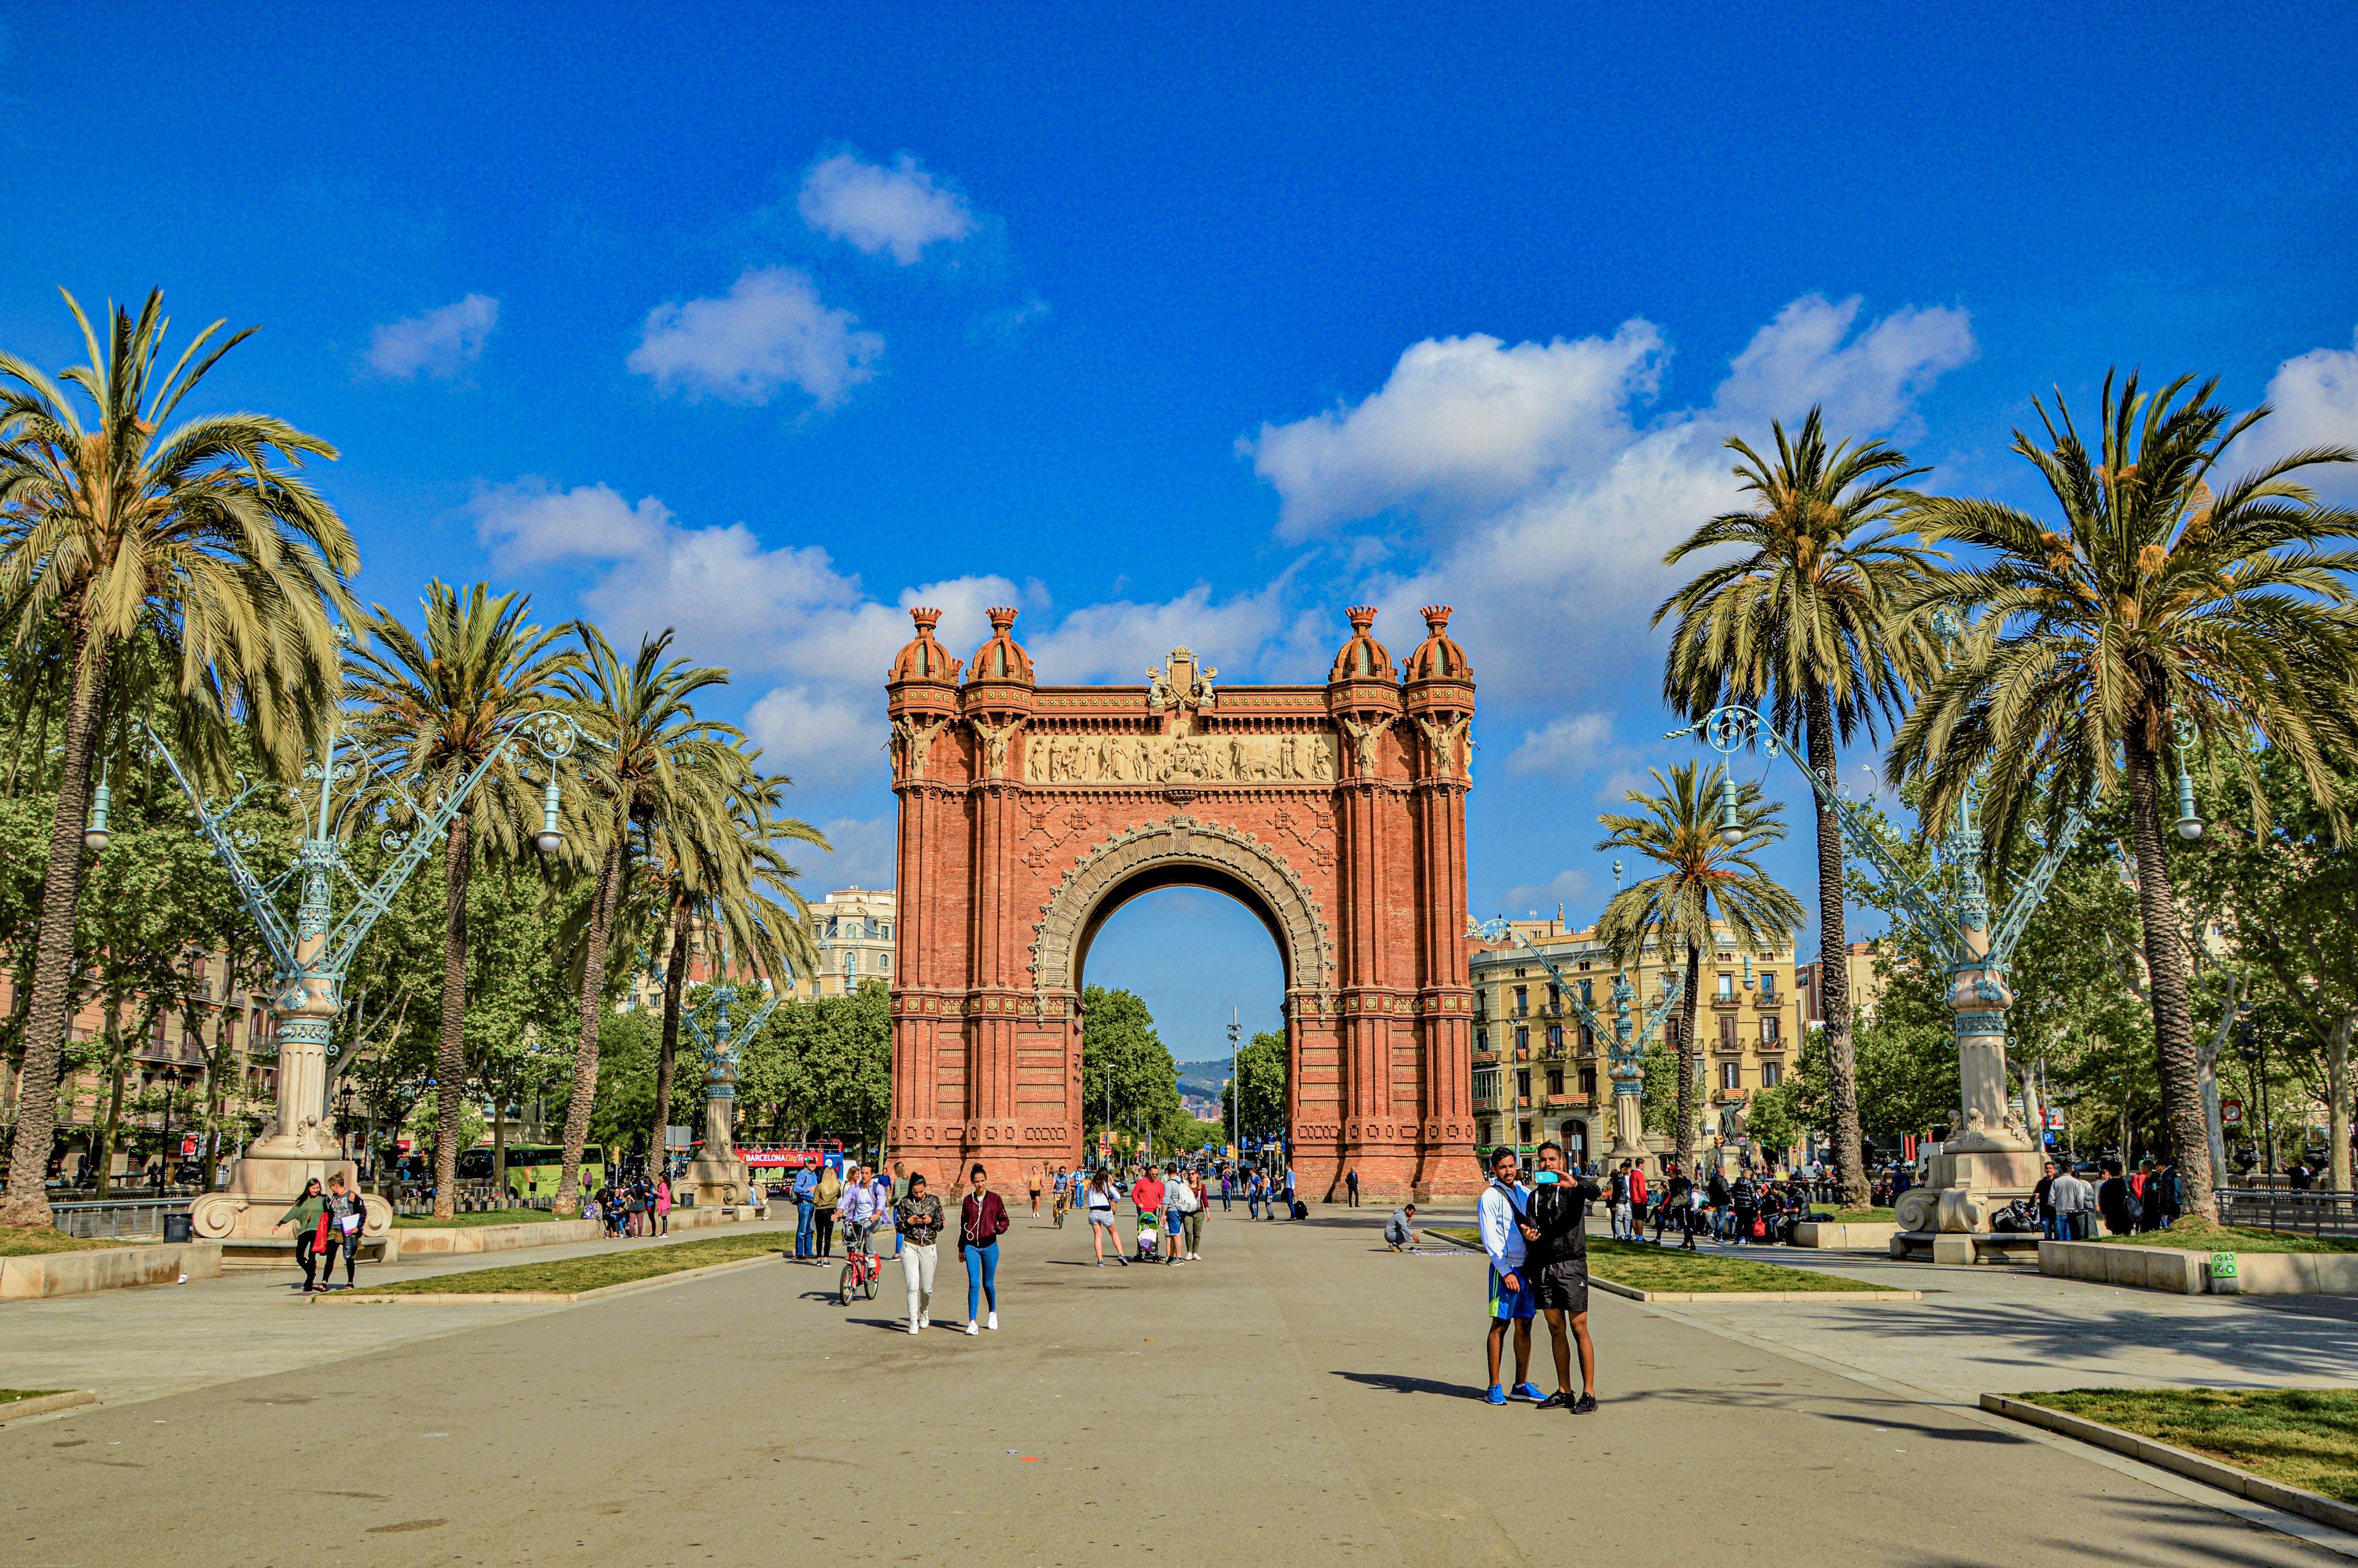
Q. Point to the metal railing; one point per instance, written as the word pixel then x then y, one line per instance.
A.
pixel 115 1219
pixel 2310 1214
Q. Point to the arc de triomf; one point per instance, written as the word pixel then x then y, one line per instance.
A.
pixel 1337 813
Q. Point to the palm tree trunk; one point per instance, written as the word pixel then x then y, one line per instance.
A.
pixel 675 989
pixel 603 901
pixel 1833 968
pixel 1685 1056
pixel 2337 1099
pixel 451 1063
pixel 2173 1014
pixel 28 1201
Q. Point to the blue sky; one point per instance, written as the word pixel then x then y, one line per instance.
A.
pixel 765 323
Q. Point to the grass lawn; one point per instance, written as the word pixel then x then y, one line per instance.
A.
pixel 2194 1236
pixel 25 1241
pixel 1866 1217
pixel 488 1217
pixel 1643 1266
pixel 10 1396
pixel 2301 1437
pixel 572 1274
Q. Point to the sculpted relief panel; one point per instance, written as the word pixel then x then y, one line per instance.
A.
pixel 1052 759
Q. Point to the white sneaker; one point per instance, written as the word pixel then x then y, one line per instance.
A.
pixel 993 1323
pixel 925 1320
pixel 971 1328
pixel 912 1328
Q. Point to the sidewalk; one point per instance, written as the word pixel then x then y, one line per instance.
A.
pixel 163 1340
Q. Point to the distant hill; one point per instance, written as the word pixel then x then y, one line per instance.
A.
pixel 1204 1078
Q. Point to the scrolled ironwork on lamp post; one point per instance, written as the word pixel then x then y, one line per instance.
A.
pixel 1995 1157
pixel 718 1171
pixel 311 958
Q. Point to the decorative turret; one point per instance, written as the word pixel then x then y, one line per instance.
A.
pixel 998 697
pixel 1363 696
pixel 1439 695
pixel 921 694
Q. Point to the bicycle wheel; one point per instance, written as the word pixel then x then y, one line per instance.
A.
pixel 845 1286
pixel 868 1287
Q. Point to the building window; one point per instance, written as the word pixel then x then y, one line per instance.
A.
pixel 1555 1037
pixel 1731 1076
pixel 883 963
pixel 1587 1041
pixel 1768 985
pixel 1522 1001
pixel 1522 1044
pixel 1526 1131
pixel 1772 1030
pixel 1771 1074
pixel 833 924
pixel 1523 1085
pixel 1555 1080
pixel 1587 994
pixel 1588 1081
pixel 1485 1086
pixel 1555 997
pixel 1727 988
pixel 1481 1040
pixel 1727 1035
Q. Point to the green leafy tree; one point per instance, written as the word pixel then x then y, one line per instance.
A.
pixel 2148 601
pixel 1815 616
pixel 1261 1074
pixel 200 535
pixel 435 709
pixel 1706 880
pixel 1125 1063
pixel 823 1067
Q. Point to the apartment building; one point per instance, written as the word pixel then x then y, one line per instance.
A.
pixel 853 928
pixel 1541 1073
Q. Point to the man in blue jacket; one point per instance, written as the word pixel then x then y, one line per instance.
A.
pixel 806 1205
pixel 1499 1214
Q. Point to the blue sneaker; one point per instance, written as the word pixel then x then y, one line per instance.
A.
pixel 1497 1394
pixel 1528 1391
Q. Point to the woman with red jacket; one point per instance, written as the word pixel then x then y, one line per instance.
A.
pixel 982 1220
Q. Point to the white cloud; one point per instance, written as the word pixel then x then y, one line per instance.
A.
pixel 899 209
pixel 824 737
pixel 1868 385
pixel 528 523
pixel 1118 641
pixel 440 343
pixel 2315 396
pixel 1543 505
pixel 1463 425
pixel 1578 743
pixel 866 849
pixel 769 331
pixel 1540 900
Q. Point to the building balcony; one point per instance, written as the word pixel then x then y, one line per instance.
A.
pixel 1769 1001
pixel 1771 1047
pixel 1486 1058
pixel 1727 1003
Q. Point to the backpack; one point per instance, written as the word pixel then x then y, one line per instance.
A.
pixel 1301 1209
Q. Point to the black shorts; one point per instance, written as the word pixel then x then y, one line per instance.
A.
pixel 1563 1286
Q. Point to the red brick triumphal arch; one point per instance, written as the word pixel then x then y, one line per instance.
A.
pixel 1337 813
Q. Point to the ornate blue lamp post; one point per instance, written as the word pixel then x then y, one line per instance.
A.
pixel 1994 1158
pixel 719 1174
pixel 1625 1040
pixel 312 960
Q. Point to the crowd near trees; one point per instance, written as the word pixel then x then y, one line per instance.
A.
pixel 178 575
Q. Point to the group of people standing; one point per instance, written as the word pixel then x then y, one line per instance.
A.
pixel 326 1220
pixel 2148 1198
pixel 635 1207
pixel 1168 1206
pixel 1537 1237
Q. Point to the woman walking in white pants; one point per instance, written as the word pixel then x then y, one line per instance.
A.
pixel 917 1218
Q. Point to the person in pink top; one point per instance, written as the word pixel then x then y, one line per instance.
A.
pixel 662 1205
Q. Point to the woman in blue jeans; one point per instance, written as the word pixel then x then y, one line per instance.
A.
pixel 982 1220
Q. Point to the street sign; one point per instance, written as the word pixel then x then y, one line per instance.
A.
pixel 187 1147
pixel 679 1137
pixel 2230 1113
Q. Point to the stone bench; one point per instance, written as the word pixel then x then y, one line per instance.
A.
pixel 2180 1271
pixel 1840 1235
pixel 46 1274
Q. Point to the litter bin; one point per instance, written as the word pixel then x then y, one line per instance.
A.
pixel 176 1228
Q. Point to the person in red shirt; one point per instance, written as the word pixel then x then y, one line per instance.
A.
pixel 982 1220
pixel 1637 1203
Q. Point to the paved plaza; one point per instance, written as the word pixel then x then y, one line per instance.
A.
pixel 1300 1395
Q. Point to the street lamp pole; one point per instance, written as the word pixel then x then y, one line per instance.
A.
pixel 719 1174
pixel 1236 1084
pixel 312 958
pixel 1996 1158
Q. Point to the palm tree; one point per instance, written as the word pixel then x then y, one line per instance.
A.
pixel 200 535
pixel 1812 619
pixel 1706 883
pixel 740 886
pixel 433 711
pixel 2151 605
pixel 655 770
